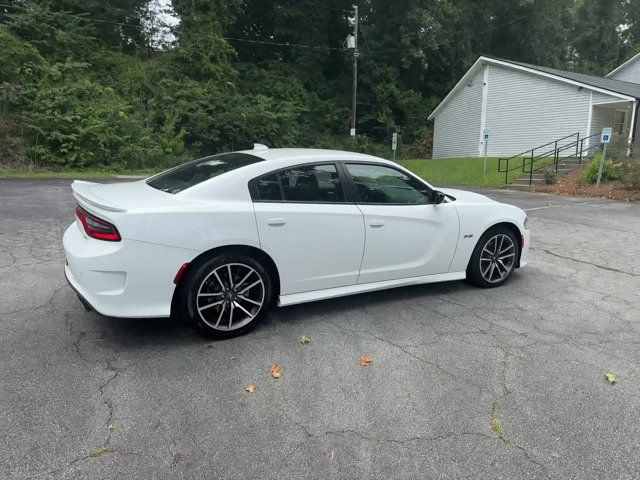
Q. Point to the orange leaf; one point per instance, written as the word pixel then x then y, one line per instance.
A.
pixel 276 374
pixel 364 361
pixel 251 388
pixel 275 368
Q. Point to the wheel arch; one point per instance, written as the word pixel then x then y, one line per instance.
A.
pixel 514 229
pixel 251 251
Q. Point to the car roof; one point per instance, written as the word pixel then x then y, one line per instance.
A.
pixel 228 185
pixel 304 155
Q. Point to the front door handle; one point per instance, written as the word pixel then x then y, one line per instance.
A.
pixel 376 223
pixel 277 222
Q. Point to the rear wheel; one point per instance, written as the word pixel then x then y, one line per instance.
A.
pixel 227 295
pixel 494 258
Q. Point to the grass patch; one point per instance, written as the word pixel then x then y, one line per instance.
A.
pixel 496 426
pixel 89 173
pixel 100 452
pixel 464 171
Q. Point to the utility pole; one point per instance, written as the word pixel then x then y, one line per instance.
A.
pixel 355 72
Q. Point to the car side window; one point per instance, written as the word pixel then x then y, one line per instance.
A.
pixel 380 184
pixel 308 183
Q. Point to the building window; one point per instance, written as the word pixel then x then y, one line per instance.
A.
pixel 618 122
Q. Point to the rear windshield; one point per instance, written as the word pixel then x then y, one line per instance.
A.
pixel 191 173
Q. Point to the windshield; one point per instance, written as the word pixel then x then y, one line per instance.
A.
pixel 189 174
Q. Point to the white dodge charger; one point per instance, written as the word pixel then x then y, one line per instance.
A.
pixel 219 239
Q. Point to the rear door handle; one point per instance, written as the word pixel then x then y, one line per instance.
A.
pixel 376 223
pixel 277 222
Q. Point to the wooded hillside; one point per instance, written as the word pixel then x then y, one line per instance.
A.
pixel 95 83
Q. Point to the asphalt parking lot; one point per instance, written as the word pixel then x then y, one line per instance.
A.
pixel 465 383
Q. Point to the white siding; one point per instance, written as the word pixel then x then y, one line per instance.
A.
pixel 600 98
pixel 456 130
pixel 629 73
pixel 525 110
pixel 602 118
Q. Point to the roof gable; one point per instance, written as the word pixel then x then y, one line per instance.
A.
pixel 616 86
pixel 624 90
pixel 624 65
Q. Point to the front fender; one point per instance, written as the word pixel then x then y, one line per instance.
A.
pixel 477 219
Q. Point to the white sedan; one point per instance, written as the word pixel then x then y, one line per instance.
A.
pixel 219 239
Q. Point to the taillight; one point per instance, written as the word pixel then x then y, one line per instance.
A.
pixel 96 227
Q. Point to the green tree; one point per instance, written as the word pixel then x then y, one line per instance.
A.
pixel 597 45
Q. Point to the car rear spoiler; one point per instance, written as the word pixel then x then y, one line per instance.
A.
pixel 82 193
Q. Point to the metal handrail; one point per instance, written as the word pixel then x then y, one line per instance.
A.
pixel 578 144
pixel 577 135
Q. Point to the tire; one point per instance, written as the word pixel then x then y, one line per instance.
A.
pixel 221 309
pixel 494 258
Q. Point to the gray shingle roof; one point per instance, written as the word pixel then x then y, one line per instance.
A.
pixel 617 86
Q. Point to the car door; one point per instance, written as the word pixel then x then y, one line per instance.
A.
pixel 315 236
pixel 406 234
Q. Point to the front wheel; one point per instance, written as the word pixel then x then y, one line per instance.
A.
pixel 227 295
pixel 494 258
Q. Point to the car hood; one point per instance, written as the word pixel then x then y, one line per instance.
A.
pixel 466 197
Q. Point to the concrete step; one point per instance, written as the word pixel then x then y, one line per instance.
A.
pixel 569 162
pixel 525 181
pixel 572 162
pixel 534 176
pixel 520 188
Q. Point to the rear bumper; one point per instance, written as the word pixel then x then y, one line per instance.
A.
pixel 85 303
pixel 129 279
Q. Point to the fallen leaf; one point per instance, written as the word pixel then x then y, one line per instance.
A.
pixel 632 374
pixel 114 426
pixel 275 368
pixel 364 361
pixel 251 388
pixel 100 452
pixel 611 378
pixel 304 340
pixel 276 374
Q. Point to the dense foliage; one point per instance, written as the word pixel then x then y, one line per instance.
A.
pixel 620 164
pixel 94 83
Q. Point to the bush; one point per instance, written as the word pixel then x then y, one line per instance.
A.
pixel 550 176
pixel 631 175
pixel 610 170
pixel 423 146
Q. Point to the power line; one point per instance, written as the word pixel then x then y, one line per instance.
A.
pixel 187 34
pixel 325 7
pixel 502 25
pixel 461 38
pixel 279 44
pixel 295 45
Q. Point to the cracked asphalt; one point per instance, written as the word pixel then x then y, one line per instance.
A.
pixel 465 383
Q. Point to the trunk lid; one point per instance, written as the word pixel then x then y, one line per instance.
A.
pixel 120 197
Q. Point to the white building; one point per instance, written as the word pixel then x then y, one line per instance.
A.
pixel 524 106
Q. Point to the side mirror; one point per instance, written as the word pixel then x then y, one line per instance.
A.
pixel 439 197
